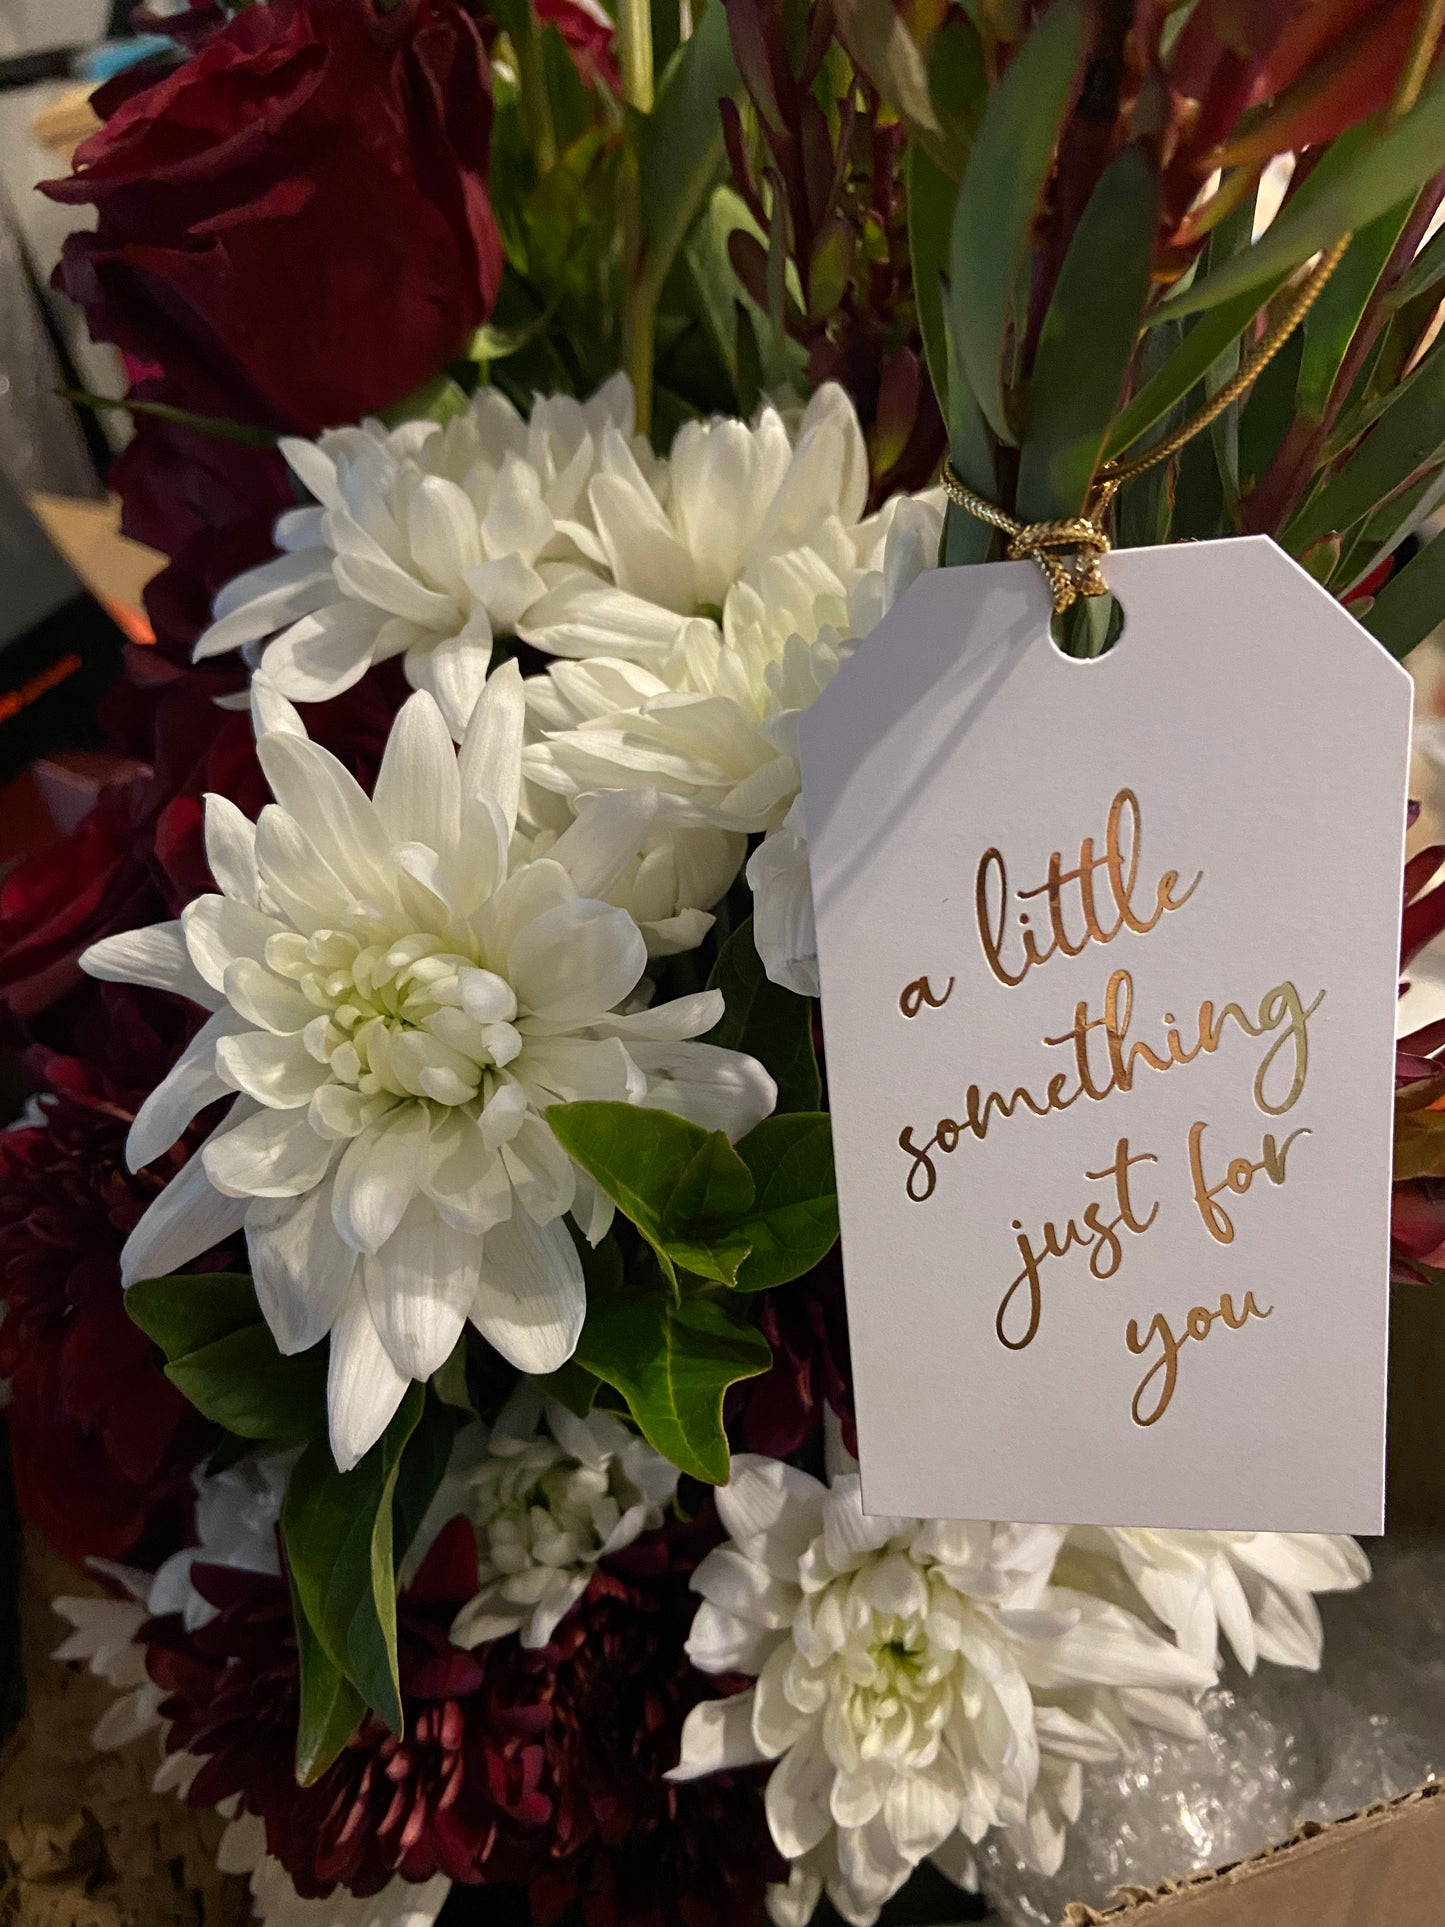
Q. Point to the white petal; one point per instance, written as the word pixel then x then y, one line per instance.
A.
pixel 156 956
pixel 797 1799
pixel 463 1176
pixel 722 1090
pixel 773 1509
pixel 270 1154
pixel 490 758
pixel 271 712
pixel 417 794
pixel 329 805
pixel 188 1217
pixel 576 961
pixel 278 1072
pixel 219 931
pixel 420 1286
pixel 717 1734
pixel 326 652
pixel 720 1642
pixel 363 1387
pixel 231 849
pixel 302 1270
pixel 378 1176
pixel 265 599
pixel 606 835
pixel 453 671
pixel 530 1299
pixel 187 1087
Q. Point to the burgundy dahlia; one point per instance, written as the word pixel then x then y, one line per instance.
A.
pixel 103 1444
pixel 538 1768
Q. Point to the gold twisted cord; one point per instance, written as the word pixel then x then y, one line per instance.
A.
pixel 1068 550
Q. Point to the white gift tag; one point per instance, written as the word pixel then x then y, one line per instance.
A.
pixel 1108 955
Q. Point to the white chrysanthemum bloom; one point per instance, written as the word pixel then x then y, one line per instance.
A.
pixel 1256 1589
pixel 714 722
pixel 669 885
pixel 425 541
pixel 676 535
pixel 398 1003
pixel 548 1504
pixel 236 1515
pixel 910 1676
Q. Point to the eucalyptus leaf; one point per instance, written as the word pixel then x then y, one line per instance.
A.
pixel 767 1022
pixel 1411 606
pixel 1364 175
pixel 1087 340
pixel 673 1362
pixel 1008 168
pixel 793 1222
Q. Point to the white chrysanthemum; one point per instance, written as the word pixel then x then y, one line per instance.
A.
pixel 236 1515
pixel 398 1003
pixel 911 1676
pixel 547 1505
pixel 1256 1589
pixel 425 542
pixel 676 535
pixel 713 723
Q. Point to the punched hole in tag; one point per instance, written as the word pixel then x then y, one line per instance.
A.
pixel 1088 628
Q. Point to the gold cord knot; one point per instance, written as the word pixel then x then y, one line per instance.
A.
pixel 1067 550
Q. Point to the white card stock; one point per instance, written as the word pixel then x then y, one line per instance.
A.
pixel 1108 954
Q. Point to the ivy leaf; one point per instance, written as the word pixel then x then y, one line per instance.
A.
pixel 683 1187
pixel 571 1385
pixel 767 1022
pixel 1072 395
pixel 220 1354
pixel 337 1531
pixel 1012 155
pixel 794 1220
pixel 673 1361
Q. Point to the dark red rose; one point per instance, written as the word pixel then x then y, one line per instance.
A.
pixel 806 1324
pixel 102 1443
pixel 298 213
pixel 544 1768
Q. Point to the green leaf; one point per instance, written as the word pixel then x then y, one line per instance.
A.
pixel 1406 440
pixel 423 1464
pixel 1087 340
pixel 1411 606
pixel 1008 168
pixel 243 1383
pixel 571 1385
pixel 931 195
pixel 1331 323
pixel 767 1022
pixel 793 1223
pixel 683 1187
pixel 1364 174
pixel 1210 338
pixel 673 1363
pixel 965 538
pixel 437 400
pixel 189 1311
pixel 338 1534
pixel 681 141
pixel 331 1707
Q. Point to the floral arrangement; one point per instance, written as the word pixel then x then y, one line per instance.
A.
pixel 422 1302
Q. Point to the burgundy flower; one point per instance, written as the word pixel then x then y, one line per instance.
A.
pixel 544 1768
pixel 316 161
pixel 807 1327
pixel 103 1444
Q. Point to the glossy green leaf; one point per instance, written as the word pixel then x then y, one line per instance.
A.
pixel 1404 441
pixel 242 1382
pixel 185 1312
pixel 1087 340
pixel 1331 323
pixel 1397 519
pixel 681 142
pixel 683 1187
pixel 1363 176
pixel 338 1534
pixel 437 400
pixel 331 1707
pixel 571 1385
pixel 423 1465
pixel 1411 606
pixel 673 1363
pixel 767 1022
pixel 965 538
pixel 793 1222
pixel 1008 168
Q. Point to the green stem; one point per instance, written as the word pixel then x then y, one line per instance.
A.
pixel 536 100
pixel 634 36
